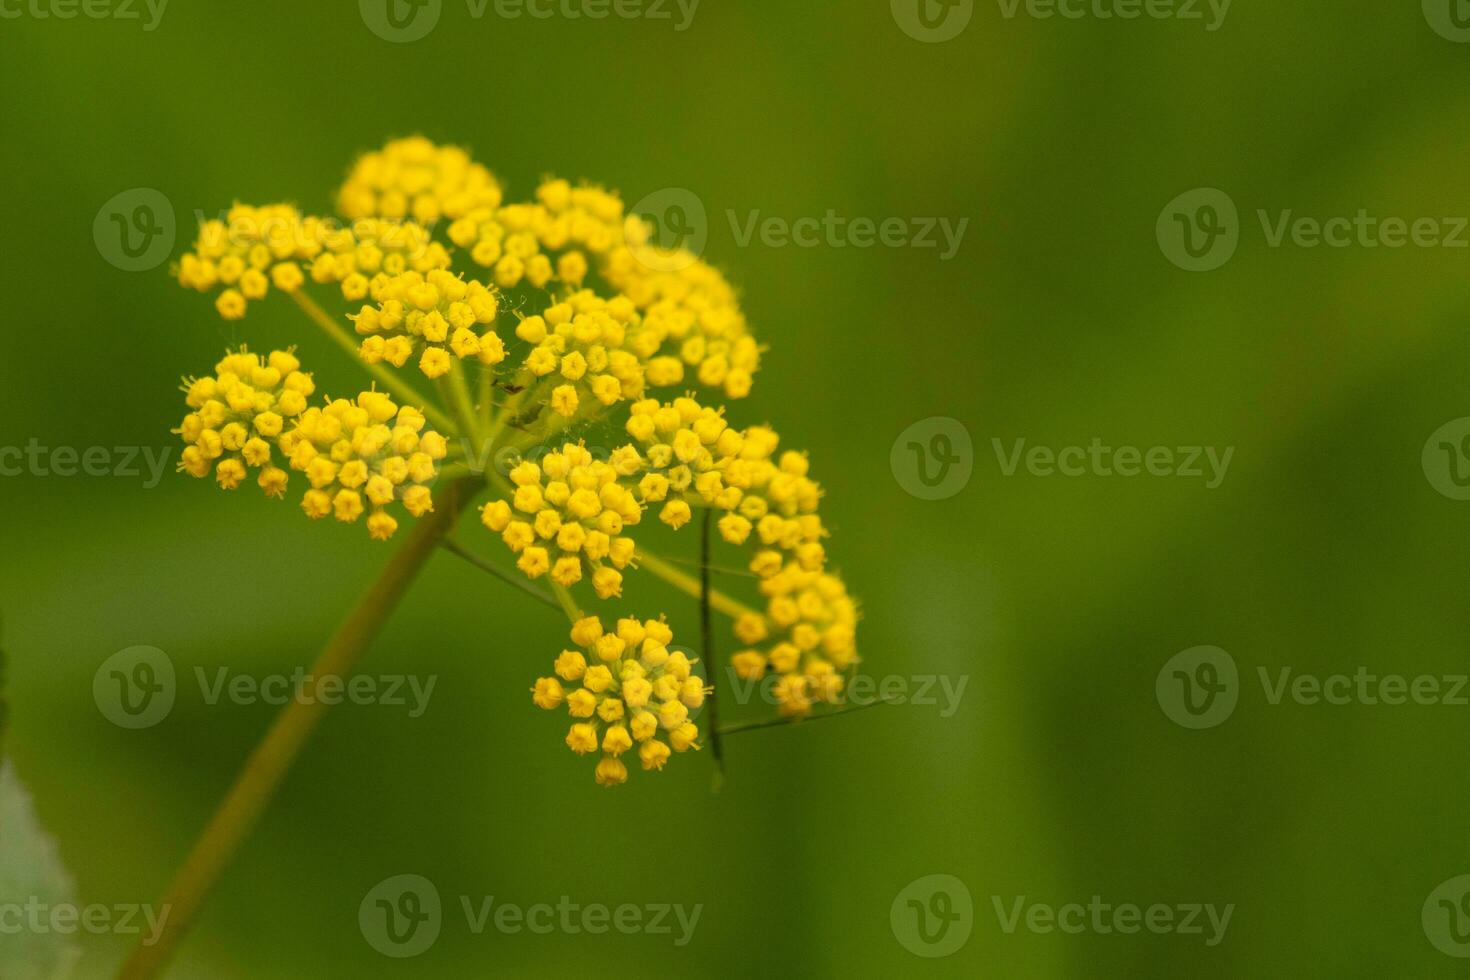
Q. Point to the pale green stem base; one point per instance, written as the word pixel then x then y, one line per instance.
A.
pixel 257 783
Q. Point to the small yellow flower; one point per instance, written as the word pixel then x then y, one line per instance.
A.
pixel 363 455
pixel 577 510
pixel 611 771
pixel 414 178
pixel 634 692
pixel 547 693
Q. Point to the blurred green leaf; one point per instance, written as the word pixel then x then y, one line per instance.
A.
pixel 30 869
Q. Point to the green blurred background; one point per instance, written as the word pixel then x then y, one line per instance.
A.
pixel 1060 599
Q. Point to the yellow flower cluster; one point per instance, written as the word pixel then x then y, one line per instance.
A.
pixel 433 315
pixel 249 250
pixel 570 232
pixel 584 349
pixel 255 248
pixel 770 506
pixel 624 688
pixel 571 221
pixel 414 178
pixel 374 248
pixel 687 306
pixel 568 515
pixel 238 414
pixel 350 456
pixel 596 314
pixel 811 626
pixel 355 461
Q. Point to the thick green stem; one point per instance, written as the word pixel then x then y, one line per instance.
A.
pixel 258 781
pixel 464 405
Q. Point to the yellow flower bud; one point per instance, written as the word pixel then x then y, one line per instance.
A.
pixel 547 693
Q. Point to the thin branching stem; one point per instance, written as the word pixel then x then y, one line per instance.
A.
pixel 455 548
pixel 751 726
pixel 405 392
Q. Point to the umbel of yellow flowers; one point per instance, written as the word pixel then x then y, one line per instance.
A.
pixel 527 320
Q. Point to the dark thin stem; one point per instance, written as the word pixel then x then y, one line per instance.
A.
pixel 750 726
pixel 707 639
pixel 454 548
